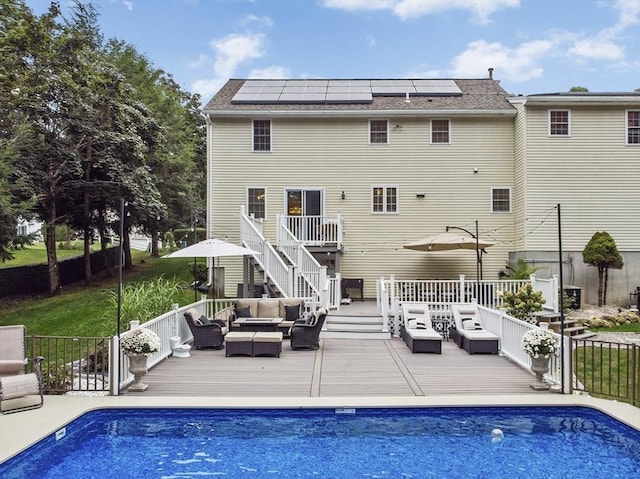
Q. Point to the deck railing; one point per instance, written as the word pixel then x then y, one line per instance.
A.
pixel 607 369
pixel 314 230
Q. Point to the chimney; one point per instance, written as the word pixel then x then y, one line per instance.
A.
pixel 490 73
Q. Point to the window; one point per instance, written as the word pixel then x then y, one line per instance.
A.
pixel 439 131
pixel 384 199
pixel 501 200
pixel 261 135
pixel 633 128
pixel 378 131
pixel 559 123
pixel 257 202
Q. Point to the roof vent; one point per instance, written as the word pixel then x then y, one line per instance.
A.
pixel 490 73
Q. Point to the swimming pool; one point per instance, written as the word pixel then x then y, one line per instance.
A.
pixel 532 442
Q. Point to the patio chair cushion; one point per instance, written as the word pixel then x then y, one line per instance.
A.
pixel 413 323
pixel 469 324
pixel 269 309
pixel 11 366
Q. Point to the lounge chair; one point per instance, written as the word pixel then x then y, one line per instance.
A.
pixel 417 330
pixel 305 333
pixel 469 332
pixel 206 334
pixel 15 384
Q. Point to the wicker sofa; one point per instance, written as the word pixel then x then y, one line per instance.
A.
pixel 289 309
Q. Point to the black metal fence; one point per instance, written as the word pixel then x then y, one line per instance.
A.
pixel 607 369
pixel 72 363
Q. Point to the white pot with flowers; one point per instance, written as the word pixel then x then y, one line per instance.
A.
pixel 540 345
pixel 138 344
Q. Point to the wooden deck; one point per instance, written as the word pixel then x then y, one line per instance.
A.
pixel 341 367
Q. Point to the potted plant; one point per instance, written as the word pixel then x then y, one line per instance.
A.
pixel 139 344
pixel 540 345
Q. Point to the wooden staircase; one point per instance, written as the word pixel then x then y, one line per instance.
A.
pixel 572 327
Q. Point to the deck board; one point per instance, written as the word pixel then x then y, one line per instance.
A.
pixel 341 367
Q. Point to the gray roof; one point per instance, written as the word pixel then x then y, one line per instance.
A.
pixel 478 96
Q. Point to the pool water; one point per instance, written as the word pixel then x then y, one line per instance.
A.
pixel 532 442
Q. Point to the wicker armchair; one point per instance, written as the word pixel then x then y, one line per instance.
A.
pixel 209 335
pixel 307 336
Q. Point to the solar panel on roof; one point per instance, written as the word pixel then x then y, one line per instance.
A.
pixel 336 91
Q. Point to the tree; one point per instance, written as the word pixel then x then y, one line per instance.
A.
pixel 579 89
pixel 518 270
pixel 601 251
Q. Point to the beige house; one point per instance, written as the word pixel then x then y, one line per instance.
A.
pixel 351 170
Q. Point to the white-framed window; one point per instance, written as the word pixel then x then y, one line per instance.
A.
pixel 633 127
pixel 559 123
pixel 257 202
pixel 384 199
pixel 440 132
pixel 501 200
pixel 378 131
pixel 261 135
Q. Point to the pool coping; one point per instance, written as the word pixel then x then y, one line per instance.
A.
pixel 21 430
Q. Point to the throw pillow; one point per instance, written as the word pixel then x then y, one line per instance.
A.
pixel 204 320
pixel 412 323
pixel 291 313
pixel 420 325
pixel 243 312
pixel 468 323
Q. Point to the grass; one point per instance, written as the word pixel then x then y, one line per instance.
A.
pixel 37 254
pixel 81 310
pixel 607 371
pixel 621 328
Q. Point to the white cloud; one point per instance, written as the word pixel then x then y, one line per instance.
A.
pixel 596 49
pixel 128 5
pixel 200 62
pixel 235 49
pixel 628 13
pixel 207 88
pixel 480 10
pixel 272 72
pixel 259 21
pixel 515 64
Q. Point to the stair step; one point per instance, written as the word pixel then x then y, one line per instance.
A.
pixel 586 335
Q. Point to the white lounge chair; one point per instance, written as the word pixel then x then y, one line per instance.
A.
pixel 14 382
pixel 417 330
pixel 469 332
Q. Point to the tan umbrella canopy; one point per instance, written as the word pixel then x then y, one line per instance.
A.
pixel 447 241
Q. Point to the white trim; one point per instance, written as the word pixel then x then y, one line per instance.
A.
pixel 493 188
pixel 246 200
pixel 448 131
pixel 358 113
pixel 385 186
pixel 626 127
pixel 253 135
pixel 558 110
pixel 369 137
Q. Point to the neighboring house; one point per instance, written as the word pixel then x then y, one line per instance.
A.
pixel 30 227
pixel 358 168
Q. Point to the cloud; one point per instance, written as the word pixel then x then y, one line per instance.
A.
pixel 207 88
pixel 128 5
pixel 272 72
pixel 515 64
pixel 480 10
pixel 259 21
pixel 235 49
pixel 200 62
pixel 596 49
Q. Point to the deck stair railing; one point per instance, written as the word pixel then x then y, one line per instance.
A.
pixel 310 276
pixel 274 267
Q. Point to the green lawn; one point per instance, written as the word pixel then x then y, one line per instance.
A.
pixel 37 254
pixel 85 310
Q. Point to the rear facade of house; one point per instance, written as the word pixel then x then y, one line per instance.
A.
pixel 357 168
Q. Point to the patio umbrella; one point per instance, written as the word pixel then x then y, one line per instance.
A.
pixel 448 241
pixel 212 248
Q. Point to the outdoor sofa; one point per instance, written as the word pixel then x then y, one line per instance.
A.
pixel 288 309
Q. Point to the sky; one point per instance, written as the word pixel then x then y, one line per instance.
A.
pixel 534 46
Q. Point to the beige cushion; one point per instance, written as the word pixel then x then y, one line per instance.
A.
pixel 251 303
pixel 468 323
pixel 467 310
pixel 267 337
pixel 11 366
pixel 194 314
pixel 424 334
pixel 269 308
pixel 239 336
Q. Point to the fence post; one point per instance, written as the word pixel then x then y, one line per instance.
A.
pixel 114 366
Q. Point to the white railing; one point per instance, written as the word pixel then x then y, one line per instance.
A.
pixel 309 275
pixel 314 230
pixel 335 293
pixel 269 260
pixel 549 289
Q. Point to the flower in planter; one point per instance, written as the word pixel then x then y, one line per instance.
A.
pixel 540 343
pixel 140 341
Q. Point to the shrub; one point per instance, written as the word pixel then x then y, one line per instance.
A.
pixel 524 303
